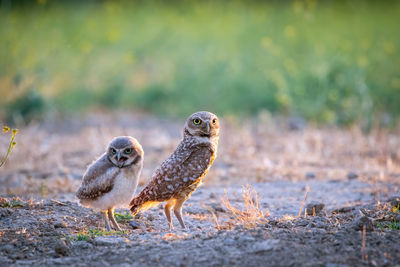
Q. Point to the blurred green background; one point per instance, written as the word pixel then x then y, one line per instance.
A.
pixel 330 62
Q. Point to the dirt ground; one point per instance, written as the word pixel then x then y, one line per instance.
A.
pixel 318 197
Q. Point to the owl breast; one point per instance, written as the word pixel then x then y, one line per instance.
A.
pixel 188 188
pixel 122 192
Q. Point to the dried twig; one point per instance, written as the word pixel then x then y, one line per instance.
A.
pixel 304 200
pixel 364 237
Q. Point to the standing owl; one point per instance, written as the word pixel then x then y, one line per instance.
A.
pixel 180 174
pixel 111 180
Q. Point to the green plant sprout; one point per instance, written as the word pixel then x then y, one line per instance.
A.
pixel 394 225
pixel 123 218
pixel 93 233
pixel 82 236
pixel 12 144
pixel 11 203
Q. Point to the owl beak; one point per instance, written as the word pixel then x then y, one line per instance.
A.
pixel 208 127
pixel 119 155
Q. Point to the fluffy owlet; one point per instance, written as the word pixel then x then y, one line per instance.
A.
pixel 111 180
pixel 180 174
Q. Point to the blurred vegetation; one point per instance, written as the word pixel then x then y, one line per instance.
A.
pixel 11 145
pixel 334 62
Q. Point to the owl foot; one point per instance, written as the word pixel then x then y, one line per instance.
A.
pixel 104 214
pixel 167 211
pixel 178 211
pixel 178 215
pixel 112 219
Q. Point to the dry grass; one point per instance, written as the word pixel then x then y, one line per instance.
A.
pixel 51 157
pixel 249 216
pixel 304 200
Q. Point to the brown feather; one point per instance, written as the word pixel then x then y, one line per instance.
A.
pixel 190 166
pixel 95 181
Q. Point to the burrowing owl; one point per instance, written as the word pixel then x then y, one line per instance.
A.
pixel 111 180
pixel 179 175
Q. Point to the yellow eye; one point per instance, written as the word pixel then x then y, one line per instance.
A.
pixel 214 121
pixel 197 121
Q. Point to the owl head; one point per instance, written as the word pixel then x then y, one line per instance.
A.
pixel 202 124
pixel 124 151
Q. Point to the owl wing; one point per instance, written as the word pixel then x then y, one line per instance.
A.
pixel 98 179
pixel 174 176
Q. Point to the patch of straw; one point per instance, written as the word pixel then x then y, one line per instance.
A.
pixel 250 216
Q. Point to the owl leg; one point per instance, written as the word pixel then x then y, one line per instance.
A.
pixel 178 211
pixel 104 213
pixel 112 219
pixel 167 211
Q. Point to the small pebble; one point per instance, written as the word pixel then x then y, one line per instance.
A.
pixel 359 222
pixel 297 123
pixel 352 175
pixel 217 207
pixel 60 225
pixel 394 201
pixel 134 224
pixel 343 210
pixel 61 248
pixel 8 249
pixel 302 223
pixel 5 212
pixel 314 207
pixel 310 175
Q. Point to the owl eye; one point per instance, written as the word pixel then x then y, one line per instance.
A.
pixel 214 121
pixel 128 151
pixel 113 151
pixel 197 121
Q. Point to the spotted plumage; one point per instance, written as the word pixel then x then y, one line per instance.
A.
pixel 180 174
pixel 111 180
